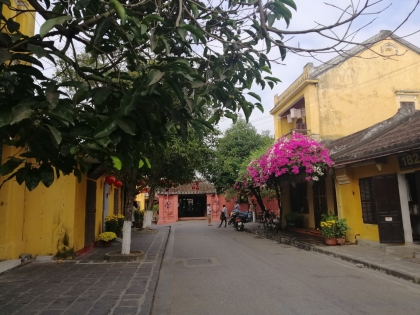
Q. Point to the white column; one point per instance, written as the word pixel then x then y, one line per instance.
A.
pixel 405 212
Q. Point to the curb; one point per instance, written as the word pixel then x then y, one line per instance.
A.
pixel 309 247
pixel 369 265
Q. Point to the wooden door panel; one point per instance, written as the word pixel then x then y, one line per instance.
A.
pixel 388 208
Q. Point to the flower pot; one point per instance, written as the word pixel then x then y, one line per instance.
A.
pixel 341 240
pixel 106 244
pixel 139 225
pixel 331 241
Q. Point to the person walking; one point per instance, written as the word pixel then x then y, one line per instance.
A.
pixel 223 216
pixel 209 211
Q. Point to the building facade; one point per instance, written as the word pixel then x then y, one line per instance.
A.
pixel 350 93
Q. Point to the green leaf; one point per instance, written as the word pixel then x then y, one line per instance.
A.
pixel 147 162
pixel 290 3
pixel 270 19
pixel 49 24
pixel 268 43
pixel 194 31
pixel 152 17
pixel 127 125
pixel 38 51
pixel 101 28
pixel 182 33
pixel 5 118
pixel 232 116
pixel 28 70
pixel 12 26
pixel 78 174
pixel 105 128
pixel 20 112
pixel 27 58
pixel 117 162
pixel 5 55
pixel 128 103
pixel 141 163
pixel 21 174
pixel 47 174
pixel 6 2
pixel 32 178
pixel 255 95
pixel 10 165
pixel 118 7
pixel 56 134
pixel 194 9
pixel 143 29
pixel 169 125
pixel 100 95
pixel 155 76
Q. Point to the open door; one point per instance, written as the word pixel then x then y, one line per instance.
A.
pixel 388 208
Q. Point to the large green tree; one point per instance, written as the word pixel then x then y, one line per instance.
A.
pixel 232 149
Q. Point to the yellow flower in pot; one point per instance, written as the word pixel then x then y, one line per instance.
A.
pixel 107 236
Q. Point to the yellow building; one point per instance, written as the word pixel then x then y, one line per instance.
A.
pixel 339 98
pixel 63 220
pixel 26 20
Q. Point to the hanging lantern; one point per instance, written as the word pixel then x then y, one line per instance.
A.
pixel 118 184
pixel 197 183
pixel 192 187
pixel 110 179
pixel 198 188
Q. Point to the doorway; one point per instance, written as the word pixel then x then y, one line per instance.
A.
pixel 191 206
pixel 413 194
pixel 320 201
pixel 388 207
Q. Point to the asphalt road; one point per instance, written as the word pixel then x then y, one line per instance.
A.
pixel 209 270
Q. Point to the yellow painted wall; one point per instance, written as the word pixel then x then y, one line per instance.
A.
pixel 349 203
pixel 46 221
pixel 361 91
pixel 11 216
pixel 353 95
pixel 26 20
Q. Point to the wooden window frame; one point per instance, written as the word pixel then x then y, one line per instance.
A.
pixel 367 200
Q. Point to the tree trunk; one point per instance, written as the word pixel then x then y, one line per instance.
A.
pixel 147 219
pixel 257 194
pixel 149 208
pixel 278 195
pixel 129 187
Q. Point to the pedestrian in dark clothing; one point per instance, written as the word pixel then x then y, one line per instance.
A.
pixel 223 216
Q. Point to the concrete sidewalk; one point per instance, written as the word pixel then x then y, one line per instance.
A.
pixel 87 284
pixel 363 256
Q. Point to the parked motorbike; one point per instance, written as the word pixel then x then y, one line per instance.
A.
pixel 240 220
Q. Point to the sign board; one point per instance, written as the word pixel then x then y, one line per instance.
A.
pixel 409 160
pixel 388 219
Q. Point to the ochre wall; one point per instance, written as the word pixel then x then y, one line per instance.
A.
pixel 349 203
pixel 47 221
pixel 361 91
pixel 26 20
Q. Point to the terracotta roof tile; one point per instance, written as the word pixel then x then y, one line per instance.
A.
pixel 399 133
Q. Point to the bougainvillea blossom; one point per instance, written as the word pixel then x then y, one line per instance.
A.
pixel 292 156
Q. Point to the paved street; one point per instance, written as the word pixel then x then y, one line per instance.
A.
pixel 87 285
pixel 207 270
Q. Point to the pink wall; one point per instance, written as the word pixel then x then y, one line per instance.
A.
pixel 168 207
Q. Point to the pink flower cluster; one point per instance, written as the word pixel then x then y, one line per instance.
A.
pixel 292 155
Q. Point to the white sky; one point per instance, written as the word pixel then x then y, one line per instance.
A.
pixel 309 11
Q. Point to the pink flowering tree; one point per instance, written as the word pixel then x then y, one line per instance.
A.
pixel 296 155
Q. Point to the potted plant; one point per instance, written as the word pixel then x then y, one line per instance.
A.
pixel 341 231
pixel 294 219
pixel 106 238
pixel 114 223
pixel 138 218
pixel 155 216
pixel 329 229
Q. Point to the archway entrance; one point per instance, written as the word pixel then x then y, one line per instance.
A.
pixel 191 206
